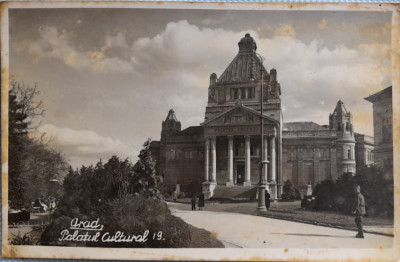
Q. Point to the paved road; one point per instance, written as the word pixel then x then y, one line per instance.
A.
pixel 238 230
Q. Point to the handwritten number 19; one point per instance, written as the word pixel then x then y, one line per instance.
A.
pixel 158 236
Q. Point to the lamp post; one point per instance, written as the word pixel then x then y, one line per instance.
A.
pixel 262 183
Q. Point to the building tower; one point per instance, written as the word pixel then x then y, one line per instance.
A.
pixel 232 122
pixel 241 82
pixel 170 126
pixel 341 120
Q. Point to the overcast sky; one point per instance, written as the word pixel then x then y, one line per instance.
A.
pixel 109 76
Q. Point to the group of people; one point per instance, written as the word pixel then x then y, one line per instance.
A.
pixel 199 201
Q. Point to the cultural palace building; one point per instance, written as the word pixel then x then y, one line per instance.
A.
pixel 222 155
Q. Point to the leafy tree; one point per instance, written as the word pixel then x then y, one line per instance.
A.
pixel 33 167
pixel 146 182
pixel 90 188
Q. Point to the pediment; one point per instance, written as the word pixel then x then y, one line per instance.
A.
pixel 238 115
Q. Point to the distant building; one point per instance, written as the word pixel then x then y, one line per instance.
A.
pixel 223 154
pixel 383 127
pixel 364 151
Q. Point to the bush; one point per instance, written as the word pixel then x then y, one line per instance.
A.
pixel 25 239
pixel 132 215
pixel 340 195
pixel 136 214
pixel 377 189
pixel 325 194
pixel 289 191
pixel 52 233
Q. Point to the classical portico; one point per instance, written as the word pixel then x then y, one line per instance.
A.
pixel 232 149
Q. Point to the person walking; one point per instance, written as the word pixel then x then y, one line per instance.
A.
pixel 201 201
pixel 194 198
pixel 359 212
pixel 267 199
pixel 174 195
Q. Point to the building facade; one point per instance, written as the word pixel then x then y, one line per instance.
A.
pixel 383 127
pixel 226 150
pixel 364 151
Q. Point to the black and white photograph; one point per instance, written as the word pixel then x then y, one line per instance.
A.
pixel 198 131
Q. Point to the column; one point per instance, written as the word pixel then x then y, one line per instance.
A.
pixel 213 160
pixel 206 159
pixel 265 141
pixel 247 181
pixel 272 144
pixel 230 161
pixel 272 184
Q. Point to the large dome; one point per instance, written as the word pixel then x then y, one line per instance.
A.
pixel 246 66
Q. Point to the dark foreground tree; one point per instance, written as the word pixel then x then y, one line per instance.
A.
pixel 34 169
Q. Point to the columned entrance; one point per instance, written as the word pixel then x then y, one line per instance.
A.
pixel 232 144
pixel 242 153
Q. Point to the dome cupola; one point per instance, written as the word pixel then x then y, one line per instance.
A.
pixel 247 44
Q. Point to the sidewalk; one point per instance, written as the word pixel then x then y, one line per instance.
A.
pixel 291 211
pixel 250 231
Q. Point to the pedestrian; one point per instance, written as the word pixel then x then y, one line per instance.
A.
pixel 174 196
pixel 267 199
pixel 359 212
pixel 194 199
pixel 201 201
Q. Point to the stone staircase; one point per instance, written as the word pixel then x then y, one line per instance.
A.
pixel 234 193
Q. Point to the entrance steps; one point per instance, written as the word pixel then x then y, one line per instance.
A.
pixel 244 193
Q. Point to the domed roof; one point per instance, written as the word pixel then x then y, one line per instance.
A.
pixel 246 66
pixel 247 44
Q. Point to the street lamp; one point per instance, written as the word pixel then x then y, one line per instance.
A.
pixel 263 163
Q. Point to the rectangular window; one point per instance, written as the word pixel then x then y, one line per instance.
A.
pixel 234 94
pixel 242 93
pixel 250 92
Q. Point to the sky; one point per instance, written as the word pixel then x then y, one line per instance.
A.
pixel 108 77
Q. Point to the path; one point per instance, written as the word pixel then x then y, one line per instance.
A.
pixel 238 230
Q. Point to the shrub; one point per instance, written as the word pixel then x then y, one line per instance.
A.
pixel 134 215
pixel 52 232
pixel 289 192
pixel 25 239
pixel 325 194
pixel 377 190
pixel 340 195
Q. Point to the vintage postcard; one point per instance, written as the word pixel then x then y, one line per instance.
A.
pixel 200 131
